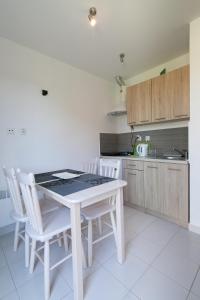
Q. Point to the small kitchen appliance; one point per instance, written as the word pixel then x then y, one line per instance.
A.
pixel 142 149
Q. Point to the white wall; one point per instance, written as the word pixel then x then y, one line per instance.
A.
pixel 63 127
pixel 121 122
pixel 194 125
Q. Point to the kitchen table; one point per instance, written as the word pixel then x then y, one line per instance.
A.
pixel 79 192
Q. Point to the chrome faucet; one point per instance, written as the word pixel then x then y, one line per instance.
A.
pixel 183 153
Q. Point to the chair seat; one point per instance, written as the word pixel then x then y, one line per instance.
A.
pixel 18 218
pixel 47 205
pixel 54 222
pixel 97 210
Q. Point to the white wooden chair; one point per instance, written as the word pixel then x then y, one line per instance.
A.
pixel 91 166
pixel 109 168
pixel 43 228
pixel 19 212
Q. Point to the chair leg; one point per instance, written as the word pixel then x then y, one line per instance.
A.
pixel 16 238
pixel 90 243
pixel 114 226
pixel 46 271
pixel 27 248
pixel 65 239
pixel 59 240
pixel 100 225
pixel 84 258
pixel 32 258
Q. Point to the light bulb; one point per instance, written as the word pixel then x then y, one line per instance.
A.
pixel 92 21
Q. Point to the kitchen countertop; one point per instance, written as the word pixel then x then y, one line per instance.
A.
pixel 151 159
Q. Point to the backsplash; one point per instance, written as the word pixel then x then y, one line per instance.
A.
pixel 163 140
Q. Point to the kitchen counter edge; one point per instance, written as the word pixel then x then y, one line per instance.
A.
pixel 173 161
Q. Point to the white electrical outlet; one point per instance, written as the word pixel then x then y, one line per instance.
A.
pixel 11 131
pixel 23 131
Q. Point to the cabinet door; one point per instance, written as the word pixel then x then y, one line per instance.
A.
pixel 160 102
pixel 134 192
pixel 144 102
pixel 131 105
pixel 139 103
pixel 175 191
pixel 153 200
pixel 178 91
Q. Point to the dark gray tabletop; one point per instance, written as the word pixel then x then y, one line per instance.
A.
pixel 48 176
pixel 66 187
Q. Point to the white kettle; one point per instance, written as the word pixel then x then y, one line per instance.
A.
pixel 142 149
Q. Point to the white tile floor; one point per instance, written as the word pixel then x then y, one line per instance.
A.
pixel 162 263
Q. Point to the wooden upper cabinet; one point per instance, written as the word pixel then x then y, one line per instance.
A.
pixel 144 101
pixel 179 81
pixel 139 103
pixel 131 105
pixel 160 101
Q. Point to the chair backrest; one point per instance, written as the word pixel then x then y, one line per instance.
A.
pixel 14 190
pixel 31 200
pixel 110 167
pixel 91 166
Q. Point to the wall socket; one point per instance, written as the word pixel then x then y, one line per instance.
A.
pixel 11 131
pixel 22 131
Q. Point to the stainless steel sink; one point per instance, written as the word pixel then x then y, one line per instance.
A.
pixel 174 157
pixel 167 157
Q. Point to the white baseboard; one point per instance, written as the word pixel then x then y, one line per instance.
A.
pixel 194 228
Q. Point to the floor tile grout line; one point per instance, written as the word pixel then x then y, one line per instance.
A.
pixel 169 277
pixel 11 275
pixel 130 292
pixel 176 233
pixel 119 279
pixel 164 248
pixel 190 290
pixel 110 273
pixel 151 266
pixel 160 255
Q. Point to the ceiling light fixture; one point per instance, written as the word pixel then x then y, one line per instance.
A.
pixel 92 16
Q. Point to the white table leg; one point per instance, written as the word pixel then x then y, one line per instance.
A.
pixel 77 252
pixel 120 226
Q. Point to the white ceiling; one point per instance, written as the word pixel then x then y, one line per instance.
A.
pixel 150 32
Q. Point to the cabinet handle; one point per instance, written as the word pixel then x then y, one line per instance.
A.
pixel 173 169
pixel 151 167
pixel 131 165
pixel 132 174
pixel 144 121
pixel 179 116
pixel 163 118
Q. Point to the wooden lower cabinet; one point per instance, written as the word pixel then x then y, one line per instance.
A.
pixel 160 188
pixel 175 192
pixel 152 187
pixel 134 192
